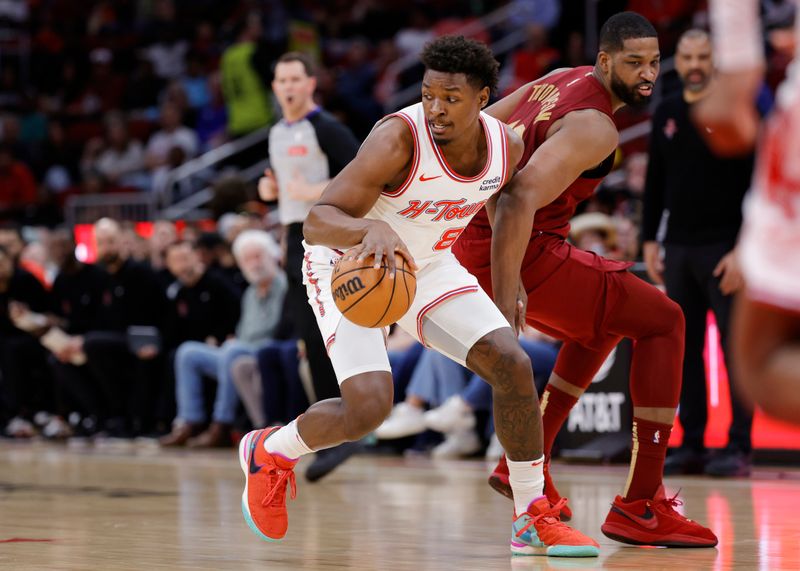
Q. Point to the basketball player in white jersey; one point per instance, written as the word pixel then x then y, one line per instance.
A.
pixel 416 182
pixel 766 327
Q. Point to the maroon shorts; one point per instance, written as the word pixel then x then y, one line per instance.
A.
pixel 571 292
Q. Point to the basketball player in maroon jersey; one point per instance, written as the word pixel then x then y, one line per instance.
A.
pixel 566 120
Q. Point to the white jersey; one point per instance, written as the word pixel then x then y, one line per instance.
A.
pixel 434 204
pixel 769 246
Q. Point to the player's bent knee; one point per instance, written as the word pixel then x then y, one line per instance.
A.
pixel 498 358
pixel 368 400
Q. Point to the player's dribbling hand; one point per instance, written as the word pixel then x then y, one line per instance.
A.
pixel 652 260
pixel 268 186
pixel 380 240
pixel 730 275
pixel 727 117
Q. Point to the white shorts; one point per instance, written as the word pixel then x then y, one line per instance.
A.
pixel 449 314
pixel 770 241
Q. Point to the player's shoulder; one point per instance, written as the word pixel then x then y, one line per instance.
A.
pixel 516 146
pixel 392 142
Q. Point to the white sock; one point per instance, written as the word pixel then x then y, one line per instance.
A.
pixel 527 482
pixel 287 442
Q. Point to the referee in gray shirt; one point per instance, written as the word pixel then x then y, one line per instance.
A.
pixel 307 148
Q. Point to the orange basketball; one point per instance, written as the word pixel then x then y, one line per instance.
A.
pixel 367 296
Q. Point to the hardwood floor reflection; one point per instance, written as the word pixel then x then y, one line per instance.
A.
pixel 140 508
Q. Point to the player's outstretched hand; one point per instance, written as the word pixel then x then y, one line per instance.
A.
pixel 381 241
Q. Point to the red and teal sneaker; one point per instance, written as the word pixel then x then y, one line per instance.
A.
pixel 267 476
pixel 499 482
pixel 540 531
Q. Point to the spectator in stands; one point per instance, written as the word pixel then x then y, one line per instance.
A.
pixel 201 307
pixel 78 296
pixel 594 232
pixel 703 195
pixel 217 255
pixel 102 92
pixel 118 157
pixel 168 51
pixel 212 117
pixel 132 244
pixel 257 254
pixel 246 96
pixel 148 88
pixel 57 164
pixel 195 82
pixel 26 386
pixel 17 185
pixel 169 147
pixel 121 355
pixel 164 234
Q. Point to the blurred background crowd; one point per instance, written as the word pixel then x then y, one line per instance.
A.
pixel 146 323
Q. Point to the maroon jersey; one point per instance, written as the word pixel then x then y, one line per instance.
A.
pixel 548 100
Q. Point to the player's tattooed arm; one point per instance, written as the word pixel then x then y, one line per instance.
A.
pixel 383 161
pixel 584 140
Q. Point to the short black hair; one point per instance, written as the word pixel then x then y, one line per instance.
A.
pixel 303 58
pixel 624 26
pixel 209 241
pixel 457 54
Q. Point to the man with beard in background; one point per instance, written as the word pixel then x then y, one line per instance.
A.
pixel 128 370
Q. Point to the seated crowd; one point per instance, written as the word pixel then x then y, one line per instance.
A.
pixel 183 338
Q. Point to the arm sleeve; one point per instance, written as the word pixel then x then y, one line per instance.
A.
pixel 654 183
pixel 336 141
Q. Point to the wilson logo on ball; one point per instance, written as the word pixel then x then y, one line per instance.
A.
pixel 367 296
pixel 350 287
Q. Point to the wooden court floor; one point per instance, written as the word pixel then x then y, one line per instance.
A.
pixel 141 508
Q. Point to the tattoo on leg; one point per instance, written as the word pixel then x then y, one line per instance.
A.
pixel 517 418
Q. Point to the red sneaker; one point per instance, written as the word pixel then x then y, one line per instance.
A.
pixel 655 522
pixel 266 478
pixel 499 482
pixel 539 531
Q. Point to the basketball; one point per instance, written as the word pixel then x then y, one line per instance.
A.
pixel 367 297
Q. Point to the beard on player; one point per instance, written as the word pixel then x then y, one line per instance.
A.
pixel 636 96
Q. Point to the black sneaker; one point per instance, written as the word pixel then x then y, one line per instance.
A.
pixel 684 461
pixel 729 463
pixel 327 460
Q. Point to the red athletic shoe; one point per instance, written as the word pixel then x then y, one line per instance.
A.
pixel 539 531
pixel 266 478
pixel 499 482
pixel 655 522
